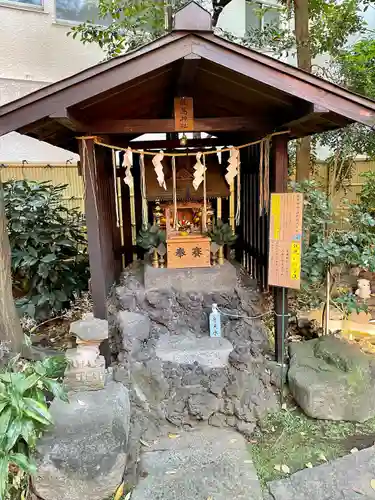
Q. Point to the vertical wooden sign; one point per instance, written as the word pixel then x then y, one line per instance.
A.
pixel 285 240
pixel 183 114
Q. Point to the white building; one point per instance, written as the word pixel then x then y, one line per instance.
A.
pixel 36 51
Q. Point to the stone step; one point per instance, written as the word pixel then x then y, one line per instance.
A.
pixel 198 465
pixel 211 352
pixel 348 478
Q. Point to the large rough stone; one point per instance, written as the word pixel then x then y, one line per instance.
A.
pixel 211 463
pixel 135 329
pixel 84 455
pixel 203 405
pixel 149 379
pixel 331 379
pixel 348 478
pixel 206 280
pixel 211 352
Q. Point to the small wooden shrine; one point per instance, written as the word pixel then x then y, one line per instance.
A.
pixel 190 216
pixel 187 244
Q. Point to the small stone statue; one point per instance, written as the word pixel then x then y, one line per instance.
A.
pixel 364 289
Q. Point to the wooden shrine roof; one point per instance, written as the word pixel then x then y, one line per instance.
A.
pixel 237 93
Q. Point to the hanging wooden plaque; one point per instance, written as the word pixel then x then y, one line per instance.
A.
pixel 285 240
pixel 183 114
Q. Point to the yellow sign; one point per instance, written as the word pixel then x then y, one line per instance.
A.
pixel 285 240
pixel 275 213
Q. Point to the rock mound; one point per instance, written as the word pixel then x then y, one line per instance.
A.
pixel 174 368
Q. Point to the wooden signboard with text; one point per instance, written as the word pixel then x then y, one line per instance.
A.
pixel 183 114
pixel 285 240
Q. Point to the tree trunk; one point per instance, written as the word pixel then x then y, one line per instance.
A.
pixel 10 327
pixel 303 154
pixel 301 19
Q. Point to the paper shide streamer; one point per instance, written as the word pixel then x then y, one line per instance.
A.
pixel 199 172
pixel 233 164
pixel 128 163
pixel 158 167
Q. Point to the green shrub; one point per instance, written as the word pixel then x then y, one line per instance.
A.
pixel 353 247
pixel 24 416
pixel 339 250
pixel 49 258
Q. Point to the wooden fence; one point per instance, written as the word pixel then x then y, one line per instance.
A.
pixel 70 175
pixel 55 173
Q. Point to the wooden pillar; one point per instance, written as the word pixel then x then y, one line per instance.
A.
pixel 137 201
pixel 126 218
pixel 99 210
pixel 114 210
pixel 279 184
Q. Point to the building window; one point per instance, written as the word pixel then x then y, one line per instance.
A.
pixel 259 15
pixel 38 3
pixel 78 11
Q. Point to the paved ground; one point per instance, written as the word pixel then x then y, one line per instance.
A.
pixel 348 478
pixel 207 464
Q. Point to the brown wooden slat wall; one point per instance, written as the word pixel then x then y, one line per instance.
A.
pixel 252 248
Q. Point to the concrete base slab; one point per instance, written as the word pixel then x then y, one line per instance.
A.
pixel 202 464
pixel 204 280
pixel 212 352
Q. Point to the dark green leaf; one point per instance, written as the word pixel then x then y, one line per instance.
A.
pixel 3 404
pixel 55 366
pixel 49 258
pixel 23 462
pixel 3 475
pixel 13 433
pixel 61 295
pixel 28 382
pixel 28 432
pixel 57 389
pixel 38 411
pixel 5 417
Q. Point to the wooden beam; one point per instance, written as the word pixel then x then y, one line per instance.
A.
pixel 314 122
pixel 64 118
pixel 116 140
pixel 97 271
pixel 280 163
pixel 279 184
pixel 221 124
pixel 186 75
pixel 313 113
pixel 100 222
